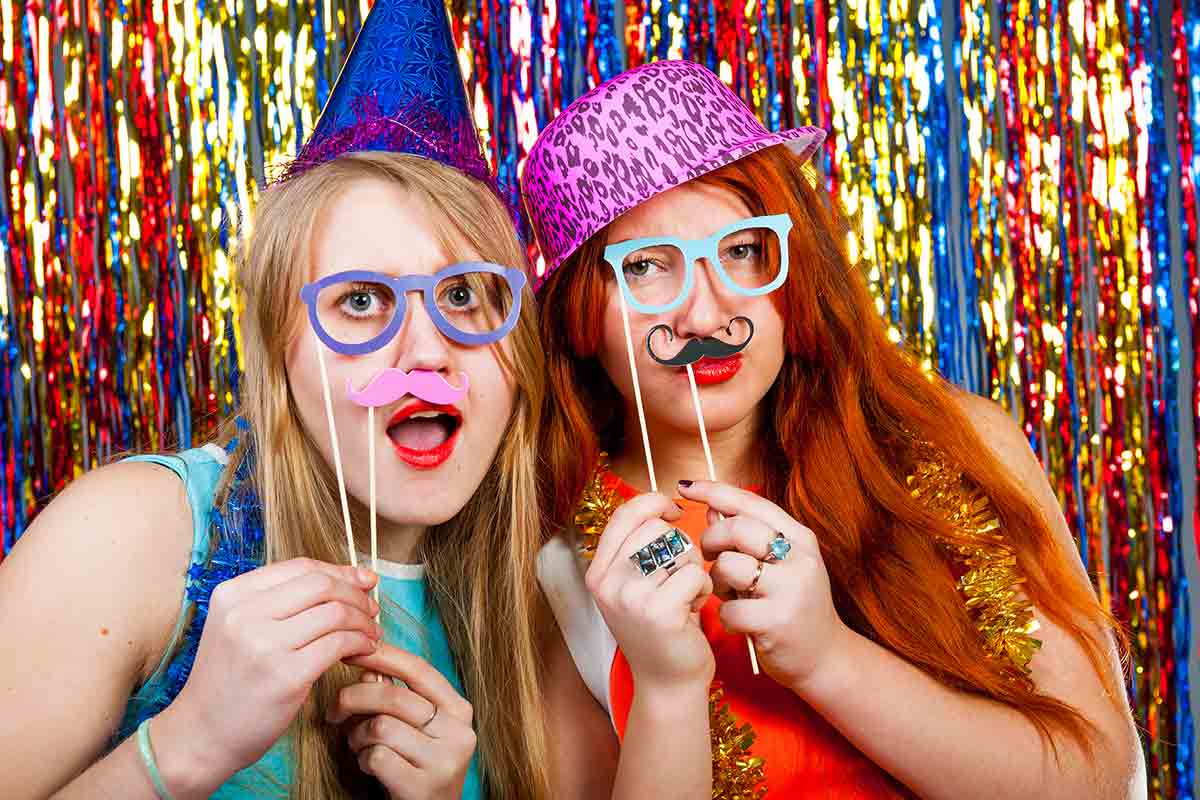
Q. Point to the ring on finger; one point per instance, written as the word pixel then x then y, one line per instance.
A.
pixel 662 552
pixel 757 575
pixel 777 549
pixel 432 717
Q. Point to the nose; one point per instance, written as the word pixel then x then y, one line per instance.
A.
pixel 703 312
pixel 420 345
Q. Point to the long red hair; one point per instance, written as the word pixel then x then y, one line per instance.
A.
pixel 839 428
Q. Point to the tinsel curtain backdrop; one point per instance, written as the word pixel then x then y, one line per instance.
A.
pixel 1021 173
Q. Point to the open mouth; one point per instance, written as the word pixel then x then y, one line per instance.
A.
pixel 424 434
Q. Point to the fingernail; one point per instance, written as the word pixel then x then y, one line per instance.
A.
pixel 685 484
pixel 374 606
pixel 378 631
pixel 364 575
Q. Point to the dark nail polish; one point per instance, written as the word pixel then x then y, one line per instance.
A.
pixel 685 484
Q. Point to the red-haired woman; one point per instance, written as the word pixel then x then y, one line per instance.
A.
pixel 889 543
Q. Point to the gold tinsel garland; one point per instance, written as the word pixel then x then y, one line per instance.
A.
pixel 991 581
pixel 737 774
pixel 598 503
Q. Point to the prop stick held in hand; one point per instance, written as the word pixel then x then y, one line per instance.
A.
pixel 637 392
pixel 387 387
pixel 371 467
pixel 693 351
pixel 337 459
pixel 712 476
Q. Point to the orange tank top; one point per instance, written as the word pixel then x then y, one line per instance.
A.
pixel 801 754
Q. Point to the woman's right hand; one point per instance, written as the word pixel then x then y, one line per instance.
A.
pixel 654 618
pixel 269 635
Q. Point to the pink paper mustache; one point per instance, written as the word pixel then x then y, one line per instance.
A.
pixel 392 384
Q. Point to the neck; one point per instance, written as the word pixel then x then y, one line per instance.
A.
pixel 397 543
pixel 679 454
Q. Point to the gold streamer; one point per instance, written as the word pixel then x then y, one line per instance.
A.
pixel 991 582
pixel 737 773
pixel 598 503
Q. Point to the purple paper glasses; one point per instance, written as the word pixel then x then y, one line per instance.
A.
pixel 359 311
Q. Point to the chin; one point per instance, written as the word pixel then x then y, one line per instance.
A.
pixel 717 417
pixel 439 511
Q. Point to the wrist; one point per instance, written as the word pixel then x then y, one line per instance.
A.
pixel 187 763
pixel 671 701
pixel 833 674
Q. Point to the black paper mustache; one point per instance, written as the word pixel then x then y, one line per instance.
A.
pixel 703 347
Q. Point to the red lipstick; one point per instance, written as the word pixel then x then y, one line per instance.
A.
pixel 448 416
pixel 710 371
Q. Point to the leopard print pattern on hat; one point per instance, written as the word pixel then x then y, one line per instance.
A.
pixel 645 131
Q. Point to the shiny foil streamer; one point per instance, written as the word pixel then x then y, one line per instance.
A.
pixel 738 774
pixel 989 576
pixel 1021 175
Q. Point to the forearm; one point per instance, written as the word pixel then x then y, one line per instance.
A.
pixel 666 753
pixel 945 743
pixel 187 771
pixel 120 774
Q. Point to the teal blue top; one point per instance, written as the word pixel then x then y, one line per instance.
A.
pixel 410 621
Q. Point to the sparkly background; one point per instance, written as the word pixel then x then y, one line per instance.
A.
pixel 1022 173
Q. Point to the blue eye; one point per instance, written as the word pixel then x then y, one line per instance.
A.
pixel 364 300
pixel 458 297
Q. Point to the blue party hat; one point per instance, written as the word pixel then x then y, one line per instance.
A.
pixel 400 90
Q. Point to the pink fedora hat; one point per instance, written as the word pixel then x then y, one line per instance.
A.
pixel 637 135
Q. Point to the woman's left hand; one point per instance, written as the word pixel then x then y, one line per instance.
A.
pixel 790 612
pixel 416 740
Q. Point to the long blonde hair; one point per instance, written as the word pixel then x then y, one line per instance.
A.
pixel 480 564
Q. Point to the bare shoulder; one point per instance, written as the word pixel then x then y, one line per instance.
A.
pixel 120 516
pixel 89 597
pixel 106 558
pixel 1007 442
pixel 1002 434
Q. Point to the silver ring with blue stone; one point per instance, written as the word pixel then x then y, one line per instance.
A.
pixel 662 552
pixel 778 548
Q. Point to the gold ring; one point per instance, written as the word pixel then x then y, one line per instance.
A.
pixel 432 717
pixel 757 574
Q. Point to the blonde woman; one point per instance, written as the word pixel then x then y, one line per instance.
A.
pixel 194 638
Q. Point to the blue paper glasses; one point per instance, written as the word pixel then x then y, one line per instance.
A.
pixel 359 311
pixel 657 273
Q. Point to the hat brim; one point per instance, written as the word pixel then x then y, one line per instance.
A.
pixel 804 142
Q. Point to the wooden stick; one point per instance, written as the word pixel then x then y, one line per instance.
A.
pixel 374 537
pixel 337 458
pixel 712 476
pixel 637 392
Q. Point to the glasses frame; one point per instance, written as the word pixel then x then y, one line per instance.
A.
pixel 695 249
pixel 403 284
